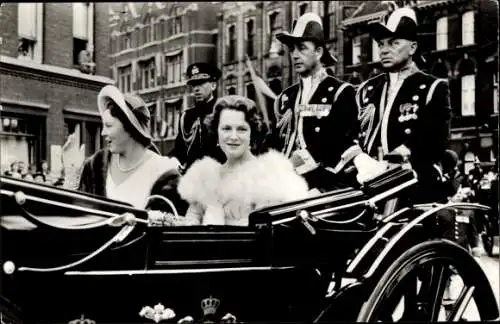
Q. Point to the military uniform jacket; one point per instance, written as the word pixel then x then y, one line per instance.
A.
pixel 416 115
pixel 329 121
pixel 194 139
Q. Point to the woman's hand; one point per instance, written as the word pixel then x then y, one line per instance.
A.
pixel 72 155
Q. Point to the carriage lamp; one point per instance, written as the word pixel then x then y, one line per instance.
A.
pixel 9 267
pixel 20 198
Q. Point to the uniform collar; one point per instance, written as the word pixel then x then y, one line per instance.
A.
pixel 315 78
pixel 405 72
pixel 205 108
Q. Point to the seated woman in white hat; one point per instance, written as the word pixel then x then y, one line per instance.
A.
pixel 129 168
pixel 225 194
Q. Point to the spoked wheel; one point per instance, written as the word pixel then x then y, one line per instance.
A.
pixel 417 286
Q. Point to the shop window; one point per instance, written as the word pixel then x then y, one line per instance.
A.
pixel 21 139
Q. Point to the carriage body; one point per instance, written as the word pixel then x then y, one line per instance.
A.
pixel 316 259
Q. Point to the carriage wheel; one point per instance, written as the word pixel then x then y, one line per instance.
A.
pixel 417 286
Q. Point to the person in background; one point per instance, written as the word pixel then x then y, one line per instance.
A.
pixel 193 139
pixel 21 168
pixel 226 194
pixel 39 177
pixel 129 166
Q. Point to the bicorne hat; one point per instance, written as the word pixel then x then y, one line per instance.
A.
pixel 400 23
pixel 308 27
pixel 202 72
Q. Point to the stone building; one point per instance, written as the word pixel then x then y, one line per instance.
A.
pixel 53 62
pixel 458 41
pixel 151 46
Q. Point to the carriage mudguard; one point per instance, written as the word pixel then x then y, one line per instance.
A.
pixel 400 230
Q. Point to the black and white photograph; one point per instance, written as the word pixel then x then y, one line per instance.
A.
pixel 249 162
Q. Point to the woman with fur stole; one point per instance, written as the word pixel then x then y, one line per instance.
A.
pixel 225 194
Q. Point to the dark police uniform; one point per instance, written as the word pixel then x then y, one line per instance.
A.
pixel 327 125
pixel 194 139
pixel 417 117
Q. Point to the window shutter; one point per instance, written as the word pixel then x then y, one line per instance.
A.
pixel 80 20
pixel 348 51
pixel 27 20
pixel 454 31
pixel 366 48
pixel 442 33
pixel 468 95
pixel 468 28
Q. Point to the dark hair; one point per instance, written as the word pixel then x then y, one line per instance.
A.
pixel 253 116
pixel 118 113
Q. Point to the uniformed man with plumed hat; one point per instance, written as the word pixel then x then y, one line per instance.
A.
pixel 404 110
pixel 317 116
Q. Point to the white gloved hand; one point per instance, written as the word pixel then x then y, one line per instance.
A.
pixel 73 154
pixel 368 167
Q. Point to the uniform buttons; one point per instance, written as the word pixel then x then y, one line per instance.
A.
pixel 422 86
pixel 323 100
pixel 370 87
pixel 317 129
pixel 415 98
pixel 407 131
pixel 330 89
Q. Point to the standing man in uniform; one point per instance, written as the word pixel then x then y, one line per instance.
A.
pixel 403 111
pixel 317 116
pixel 194 140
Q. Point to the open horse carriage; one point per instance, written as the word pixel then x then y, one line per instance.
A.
pixel 339 256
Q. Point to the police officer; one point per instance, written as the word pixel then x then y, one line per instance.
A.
pixel 404 110
pixel 317 116
pixel 194 140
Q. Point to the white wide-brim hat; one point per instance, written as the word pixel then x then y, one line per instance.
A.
pixel 131 105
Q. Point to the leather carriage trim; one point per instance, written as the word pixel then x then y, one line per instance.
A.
pixel 60 204
pixel 409 226
pixel 432 89
pixel 203 262
pixel 171 271
pixel 69 194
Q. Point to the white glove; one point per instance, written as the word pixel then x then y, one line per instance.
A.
pixel 368 167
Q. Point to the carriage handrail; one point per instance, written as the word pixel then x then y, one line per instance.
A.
pixel 20 198
pixel 394 240
pixel 117 238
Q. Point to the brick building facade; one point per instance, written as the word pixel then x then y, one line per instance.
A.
pixel 249 28
pixel 458 41
pixel 151 46
pixel 53 62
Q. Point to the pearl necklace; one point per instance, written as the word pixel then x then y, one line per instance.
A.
pixel 132 167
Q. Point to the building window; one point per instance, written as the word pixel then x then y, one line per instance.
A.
pixel 442 34
pixel 178 21
pixel 146 34
pixel 250 38
pixel 173 113
pixel 82 33
pixel 275 26
pixel 148 73
pixel 302 9
pixel 124 78
pixel 20 139
pixel 375 51
pixel 174 69
pixel 231 51
pixel 231 90
pixel 495 93
pixel 30 31
pixel 356 49
pixel 468 95
pixel 468 28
